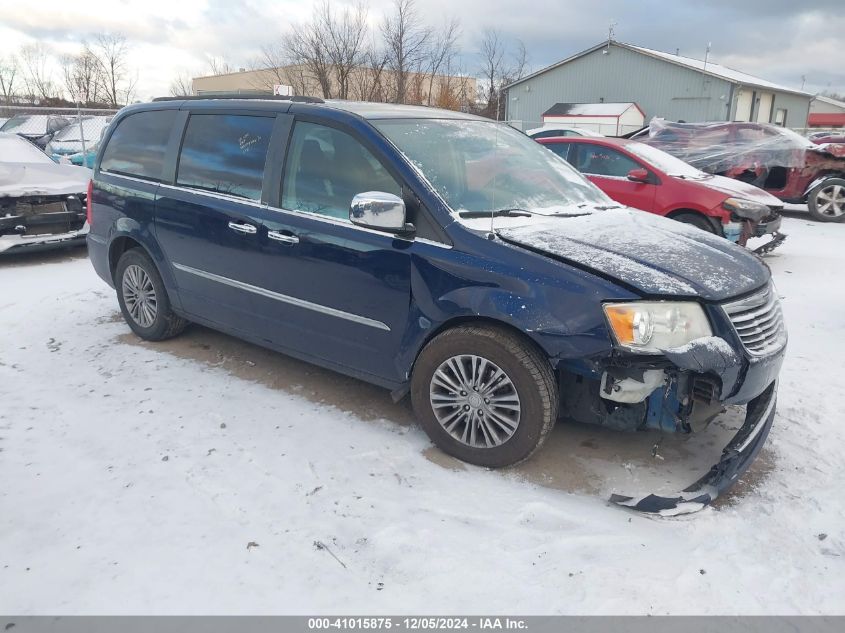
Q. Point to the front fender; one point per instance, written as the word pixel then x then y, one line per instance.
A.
pixel 556 306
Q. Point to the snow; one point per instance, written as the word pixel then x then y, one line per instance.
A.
pixel 27 171
pixel 657 255
pixel 14 149
pixel 713 344
pixel 588 109
pixel 135 477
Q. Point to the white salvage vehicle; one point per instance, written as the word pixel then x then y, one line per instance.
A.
pixel 42 203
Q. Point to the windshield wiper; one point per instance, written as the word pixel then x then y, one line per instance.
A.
pixel 607 206
pixel 510 213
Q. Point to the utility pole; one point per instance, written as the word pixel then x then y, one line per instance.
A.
pixel 706 55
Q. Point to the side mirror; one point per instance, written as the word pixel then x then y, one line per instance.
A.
pixel 638 175
pixel 379 210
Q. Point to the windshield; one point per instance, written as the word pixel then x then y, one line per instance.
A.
pixel 92 126
pixel 26 124
pixel 664 162
pixel 484 166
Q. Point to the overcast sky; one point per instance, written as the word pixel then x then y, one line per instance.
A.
pixel 779 40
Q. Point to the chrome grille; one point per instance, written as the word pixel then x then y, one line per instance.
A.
pixel 758 321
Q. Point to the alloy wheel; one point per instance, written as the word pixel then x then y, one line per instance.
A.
pixel 475 401
pixel 830 201
pixel 139 295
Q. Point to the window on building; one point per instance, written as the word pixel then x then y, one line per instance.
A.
pixel 225 153
pixel 780 117
pixel 326 168
pixel 603 161
pixel 137 146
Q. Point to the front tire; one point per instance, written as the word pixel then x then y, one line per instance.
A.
pixel 826 202
pixel 697 220
pixel 484 395
pixel 143 298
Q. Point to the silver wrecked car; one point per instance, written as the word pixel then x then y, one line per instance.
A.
pixel 42 204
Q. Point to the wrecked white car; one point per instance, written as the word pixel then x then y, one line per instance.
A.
pixel 42 204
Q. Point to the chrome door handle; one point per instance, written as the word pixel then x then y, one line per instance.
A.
pixel 281 237
pixel 247 229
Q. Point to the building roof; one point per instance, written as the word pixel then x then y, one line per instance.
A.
pixel 590 109
pixel 830 101
pixel 710 68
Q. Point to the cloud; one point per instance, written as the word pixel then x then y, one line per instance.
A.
pixel 781 40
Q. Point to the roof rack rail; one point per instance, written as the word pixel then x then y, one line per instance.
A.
pixel 296 99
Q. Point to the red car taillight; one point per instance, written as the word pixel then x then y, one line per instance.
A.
pixel 88 202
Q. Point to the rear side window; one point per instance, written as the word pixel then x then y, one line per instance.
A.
pixel 561 149
pixel 225 153
pixel 603 161
pixel 138 145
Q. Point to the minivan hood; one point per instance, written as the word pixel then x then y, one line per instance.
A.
pixel 738 189
pixel 654 255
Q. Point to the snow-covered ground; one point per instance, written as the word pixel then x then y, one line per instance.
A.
pixel 205 475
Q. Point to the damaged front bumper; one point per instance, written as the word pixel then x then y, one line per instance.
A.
pixel 737 456
pixel 682 390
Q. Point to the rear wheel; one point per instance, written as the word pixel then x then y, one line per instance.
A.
pixel 484 395
pixel 826 202
pixel 143 299
pixel 697 220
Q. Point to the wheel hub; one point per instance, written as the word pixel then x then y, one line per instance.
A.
pixel 831 200
pixel 139 295
pixel 475 401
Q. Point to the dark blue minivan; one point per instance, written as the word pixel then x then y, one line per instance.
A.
pixel 436 253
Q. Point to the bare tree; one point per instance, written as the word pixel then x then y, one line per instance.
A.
pixel 344 36
pixel 369 81
pixel 219 65
pixel 492 53
pixel 497 71
pixel 81 74
pixel 116 81
pixel 37 75
pixel 442 52
pixel 306 46
pixel 182 85
pixel 406 40
pixel 8 73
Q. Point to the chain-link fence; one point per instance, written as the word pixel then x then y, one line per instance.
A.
pixel 66 134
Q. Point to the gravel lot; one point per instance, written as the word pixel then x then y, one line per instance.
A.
pixel 207 475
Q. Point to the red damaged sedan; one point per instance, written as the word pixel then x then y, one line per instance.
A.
pixel 644 177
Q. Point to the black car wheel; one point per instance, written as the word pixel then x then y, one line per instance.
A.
pixel 697 220
pixel 484 395
pixel 826 202
pixel 143 299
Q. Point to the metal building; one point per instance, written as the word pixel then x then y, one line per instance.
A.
pixel 662 84
pixel 827 112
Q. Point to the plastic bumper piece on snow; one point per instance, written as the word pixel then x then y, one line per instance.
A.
pixel 737 456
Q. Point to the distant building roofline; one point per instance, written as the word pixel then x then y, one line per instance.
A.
pixel 710 68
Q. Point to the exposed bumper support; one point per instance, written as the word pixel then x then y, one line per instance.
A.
pixel 736 458
pixel 27 243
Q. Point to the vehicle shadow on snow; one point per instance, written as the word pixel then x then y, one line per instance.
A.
pixel 15 259
pixel 576 458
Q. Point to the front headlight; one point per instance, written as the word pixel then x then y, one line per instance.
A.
pixel 649 327
pixel 746 208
